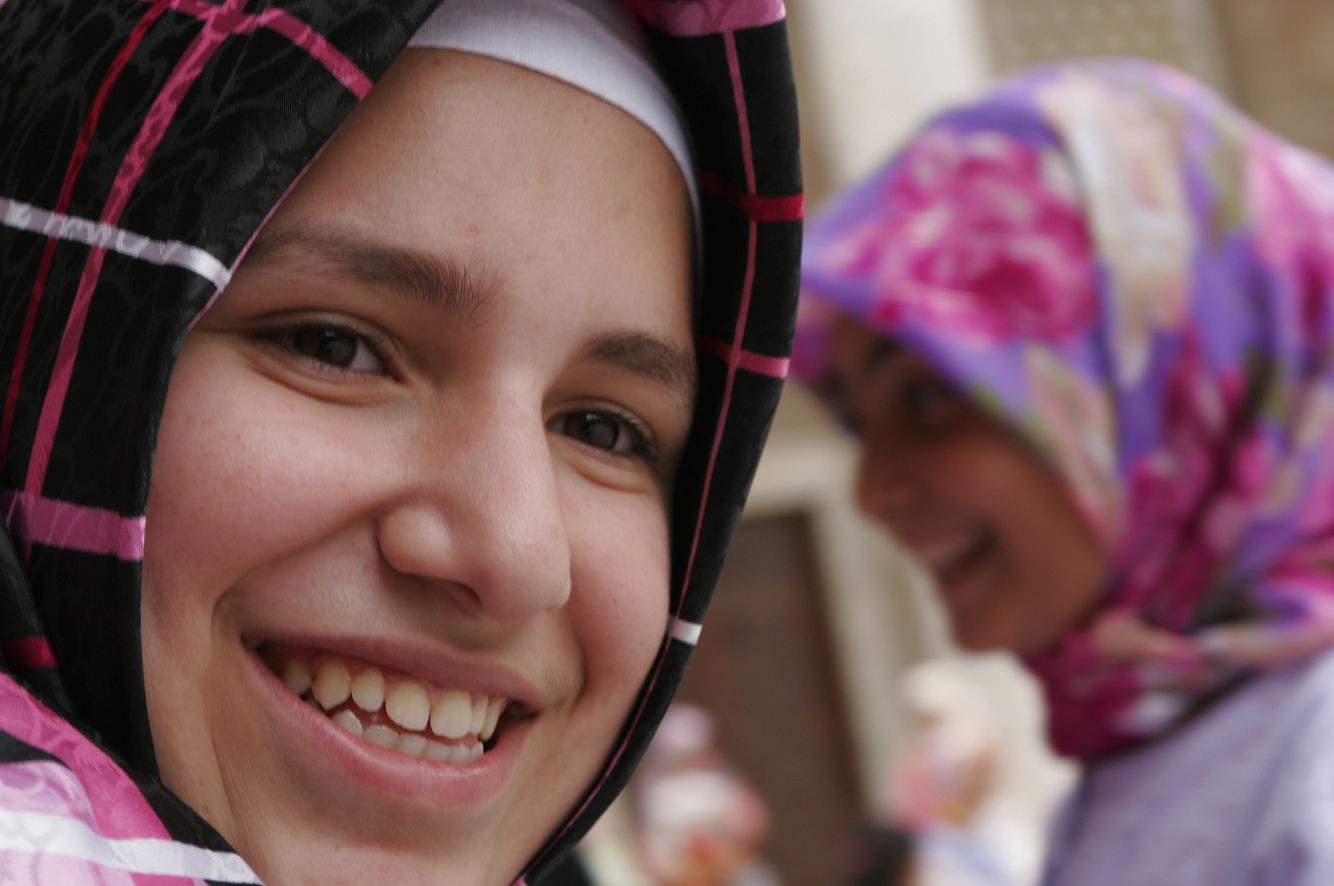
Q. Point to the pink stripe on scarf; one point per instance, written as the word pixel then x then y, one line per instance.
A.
pixel 63 524
pixel 302 35
pixel 754 206
pixel 735 349
pixel 115 806
pixel 694 18
pixel 760 364
pixel 27 652
pixel 48 867
pixel 313 42
pixel 49 788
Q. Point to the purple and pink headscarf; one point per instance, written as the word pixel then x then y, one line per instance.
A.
pixel 1140 281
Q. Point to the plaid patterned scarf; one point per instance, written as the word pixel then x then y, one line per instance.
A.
pixel 146 143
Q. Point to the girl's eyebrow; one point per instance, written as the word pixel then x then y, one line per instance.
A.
pixel 451 286
pixel 649 357
pixel 438 281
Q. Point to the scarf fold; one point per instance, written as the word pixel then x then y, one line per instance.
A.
pixel 1138 279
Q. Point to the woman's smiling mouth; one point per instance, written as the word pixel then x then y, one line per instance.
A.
pixel 953 560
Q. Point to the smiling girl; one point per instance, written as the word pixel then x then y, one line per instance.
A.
pixel 366 477
pixel 1082 328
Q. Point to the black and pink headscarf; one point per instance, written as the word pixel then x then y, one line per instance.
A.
pixel 1140 281
pixel 145 144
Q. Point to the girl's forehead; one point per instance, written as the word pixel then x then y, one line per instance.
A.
pixel 438 193
pixel 493 132
pixel 595 46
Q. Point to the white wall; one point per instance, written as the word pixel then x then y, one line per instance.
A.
pixel 874 69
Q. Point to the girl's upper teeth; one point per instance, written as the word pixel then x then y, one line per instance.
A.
pixel 409 707
pixel 410 704
pixel 452 715
pixel 368 689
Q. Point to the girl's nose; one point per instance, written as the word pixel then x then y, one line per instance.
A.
pixel 483 519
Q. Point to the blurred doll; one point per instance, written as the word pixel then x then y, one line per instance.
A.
pixel 948 764
pixel 698 822
pixel 943 775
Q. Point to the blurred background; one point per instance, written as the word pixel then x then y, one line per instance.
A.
pixel 825 666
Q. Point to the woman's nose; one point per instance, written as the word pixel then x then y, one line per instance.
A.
pixel 482 519
pixel 886 489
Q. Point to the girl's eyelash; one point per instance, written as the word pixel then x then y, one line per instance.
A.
pixel 284 337
pixel 644 446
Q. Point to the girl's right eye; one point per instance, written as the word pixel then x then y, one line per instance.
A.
pixel 330 345
pixel 612 431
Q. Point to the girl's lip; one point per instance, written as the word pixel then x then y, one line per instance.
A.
pixel 315 740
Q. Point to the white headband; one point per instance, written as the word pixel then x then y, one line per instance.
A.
pixel 590 44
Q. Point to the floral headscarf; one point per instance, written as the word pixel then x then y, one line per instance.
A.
pixel 1139 280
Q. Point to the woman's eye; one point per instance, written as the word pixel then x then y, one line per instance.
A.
pixel 610 433
pixel 331 345
pixel 929 401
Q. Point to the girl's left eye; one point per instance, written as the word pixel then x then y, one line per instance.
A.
pixel 609 432
pixel 330 345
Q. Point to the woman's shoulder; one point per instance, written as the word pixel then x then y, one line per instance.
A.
pixel 1243 790
pixel 1268 716
pixel 1283 719
pixel 1290 703
pixel 1277 724
pixel 1294 814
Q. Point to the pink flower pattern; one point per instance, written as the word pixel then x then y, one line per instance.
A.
pixel 985 246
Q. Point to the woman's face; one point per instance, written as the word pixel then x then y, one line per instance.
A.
pixel 1014 562
pixel 407 557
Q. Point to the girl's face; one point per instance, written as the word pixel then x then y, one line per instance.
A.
pixel 407 564
pixel 1014 562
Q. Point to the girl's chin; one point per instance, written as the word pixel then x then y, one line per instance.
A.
pixel 324 805
pixel 374 864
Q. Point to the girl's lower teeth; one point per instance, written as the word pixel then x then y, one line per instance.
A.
pixel 411 744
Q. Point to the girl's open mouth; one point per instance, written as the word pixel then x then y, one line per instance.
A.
pixel 389 709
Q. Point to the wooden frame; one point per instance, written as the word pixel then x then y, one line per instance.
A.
pixel 878 631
